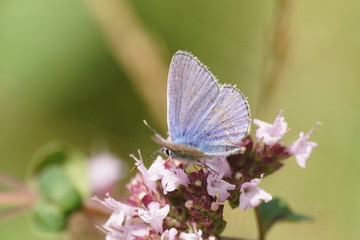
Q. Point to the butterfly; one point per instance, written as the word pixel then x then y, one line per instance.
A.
pixel 205 119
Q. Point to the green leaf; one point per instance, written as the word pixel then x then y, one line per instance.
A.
pixel 76 167
pixel 56 186
pixel 52 153
pixel 72 161
pixel 59 172
pixel 277 211
pixel 47 217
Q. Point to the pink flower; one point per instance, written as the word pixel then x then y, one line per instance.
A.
pixel 251 195
pixel 104 171
pixel 157 169
pixel 114 235
pixel 115 221
pixel 170 178
pixel 121 223
pixel 127 231
pixel 214 206
pixel 215 185
pixel 302 148
pixel 148 177
pixel 173 178
pixel 169 234
pixel 155 215
pixel 191 236
pixel 271 133
pixel 130 230
pixel 219 165
pixel 118 206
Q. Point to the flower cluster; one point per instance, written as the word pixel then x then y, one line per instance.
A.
pixel 168 201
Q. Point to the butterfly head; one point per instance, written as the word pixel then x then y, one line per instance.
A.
pixel 166 151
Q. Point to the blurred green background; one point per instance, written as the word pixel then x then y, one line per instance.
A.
pixel 89 71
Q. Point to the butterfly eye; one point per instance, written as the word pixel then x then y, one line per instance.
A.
pixel 165 151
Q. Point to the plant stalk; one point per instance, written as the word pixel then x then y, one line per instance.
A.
pixel 258 220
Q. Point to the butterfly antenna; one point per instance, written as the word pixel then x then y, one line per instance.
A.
pixel 153 154
pixel 136 166
pixel 146 124
pixel 146 160
pixel 207 167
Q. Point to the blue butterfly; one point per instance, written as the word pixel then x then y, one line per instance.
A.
pixel 205 119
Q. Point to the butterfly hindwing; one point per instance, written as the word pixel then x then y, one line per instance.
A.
pixel 227 122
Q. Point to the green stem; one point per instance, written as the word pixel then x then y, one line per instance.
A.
pixel 258 220
pixel 227 238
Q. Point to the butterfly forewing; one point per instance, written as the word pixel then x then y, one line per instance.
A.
pixel 192 90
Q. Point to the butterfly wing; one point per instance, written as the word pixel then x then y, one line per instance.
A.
pixel 201 113
pixel 226 123
pixel 192 89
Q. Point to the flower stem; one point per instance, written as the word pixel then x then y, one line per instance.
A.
pixel 11 182
pixel 25 198
pixel 12 212
pixel 227 238
pixel 275 60
pixel 258 220
pixel 92 208
pixel 19 201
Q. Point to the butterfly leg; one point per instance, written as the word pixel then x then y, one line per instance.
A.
pixel 203 164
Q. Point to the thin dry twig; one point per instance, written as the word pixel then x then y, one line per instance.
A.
pixel 279 50
pixel 22 197
pixel 11 182
pixel 229 238
pixel 134 49
pixel 18 193
pixel 5 214
pixel 96 209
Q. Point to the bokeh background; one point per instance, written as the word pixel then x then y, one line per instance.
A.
pixel 88 71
